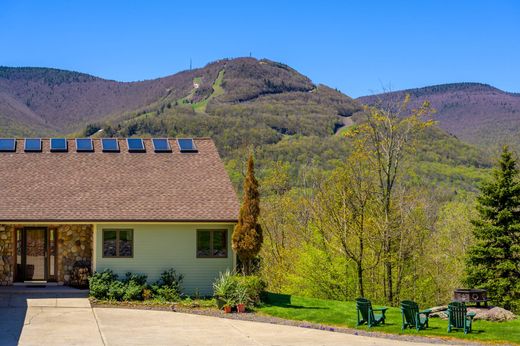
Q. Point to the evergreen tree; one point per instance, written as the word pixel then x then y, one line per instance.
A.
pixel 247 235
pixel 493 262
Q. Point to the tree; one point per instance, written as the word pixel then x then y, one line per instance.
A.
pixel 493 262
pixel 342 212
pixel 247 235
pixel 388 134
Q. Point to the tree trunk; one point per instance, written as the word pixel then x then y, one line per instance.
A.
pixel 360 279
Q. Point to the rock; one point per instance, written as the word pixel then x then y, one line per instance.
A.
pixel 439 308
pixel 495 314
pixel 440 314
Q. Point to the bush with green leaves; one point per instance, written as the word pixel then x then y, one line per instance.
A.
pixel 116 290
pixel 170 278
pixel 225 285
pixel 100 283
pixel 138 279
pixel 253 287
pixel 165 293
pixel 169 286
pixel 239 289
pixel 106 285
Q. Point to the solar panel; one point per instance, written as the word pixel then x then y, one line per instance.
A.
pixel 84 145
pixel 135 145
pixel 161 145
pixel 110 145
pixel 187 145
pixel 7 144
pixel 33 144
pixel 58 144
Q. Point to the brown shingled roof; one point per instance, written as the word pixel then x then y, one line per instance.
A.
pixel 98 186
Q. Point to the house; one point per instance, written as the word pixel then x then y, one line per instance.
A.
pixel 138 205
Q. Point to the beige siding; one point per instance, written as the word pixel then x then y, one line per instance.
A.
pixel 158 247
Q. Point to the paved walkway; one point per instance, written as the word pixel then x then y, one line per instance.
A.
pixel 46 319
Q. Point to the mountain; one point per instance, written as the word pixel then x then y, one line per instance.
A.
pixel 45 100
pixel 476 113
pixel 42 101
pixel 241 103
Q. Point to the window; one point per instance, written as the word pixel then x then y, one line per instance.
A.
pixel 212 243
pixel 110 145
pixel 33 144
pixel 118 243
pixel 135 145
pixel 84 145
pixel 58 144
pixel 187 145
pixel 161 145
pixel 7 144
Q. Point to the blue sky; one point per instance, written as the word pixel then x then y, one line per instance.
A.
pixel 358 47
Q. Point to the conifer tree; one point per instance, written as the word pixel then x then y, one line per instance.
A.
pixel 493 262
pixel 247 235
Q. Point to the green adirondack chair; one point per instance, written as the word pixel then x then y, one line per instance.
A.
pixel 459 317
pixel 412 317
pixel 365 313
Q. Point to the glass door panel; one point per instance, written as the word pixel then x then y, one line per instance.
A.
pixel 35 253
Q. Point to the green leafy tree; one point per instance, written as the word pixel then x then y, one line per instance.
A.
pixel 247 235
pixel 493 262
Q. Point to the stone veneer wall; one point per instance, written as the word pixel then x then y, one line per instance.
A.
pixel 75 243
pixel 6 255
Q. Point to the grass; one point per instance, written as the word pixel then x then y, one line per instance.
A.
pixel 217 91
pixel 343 314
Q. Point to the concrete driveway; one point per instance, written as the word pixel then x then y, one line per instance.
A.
pixel 51 320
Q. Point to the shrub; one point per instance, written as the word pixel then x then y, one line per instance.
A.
pixel 116 290
pixel 233 288
pixel 253 287
pixel 242 295
pixel 133 291
pixel 169 286
pixel 224 286
pixel 105 285
pixel 139 279
pixel 171 279
pixel 100 283
pixel 166 293
pixel 147 294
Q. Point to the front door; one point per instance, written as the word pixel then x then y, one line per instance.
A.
pixel 35 254
pixel 32 250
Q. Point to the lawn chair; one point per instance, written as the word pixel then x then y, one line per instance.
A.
pixel 365 313
pixel 412 317
pixel 459 317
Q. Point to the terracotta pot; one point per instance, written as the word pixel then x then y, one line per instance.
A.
pixel 227 309
pixel 241 308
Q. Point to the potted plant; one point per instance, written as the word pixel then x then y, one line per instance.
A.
pixel 223 288
pixel 242 298
pixel 228 305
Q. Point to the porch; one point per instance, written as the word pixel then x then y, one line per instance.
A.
pixel 41 253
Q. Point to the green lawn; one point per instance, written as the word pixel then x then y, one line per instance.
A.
pixel 343 314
